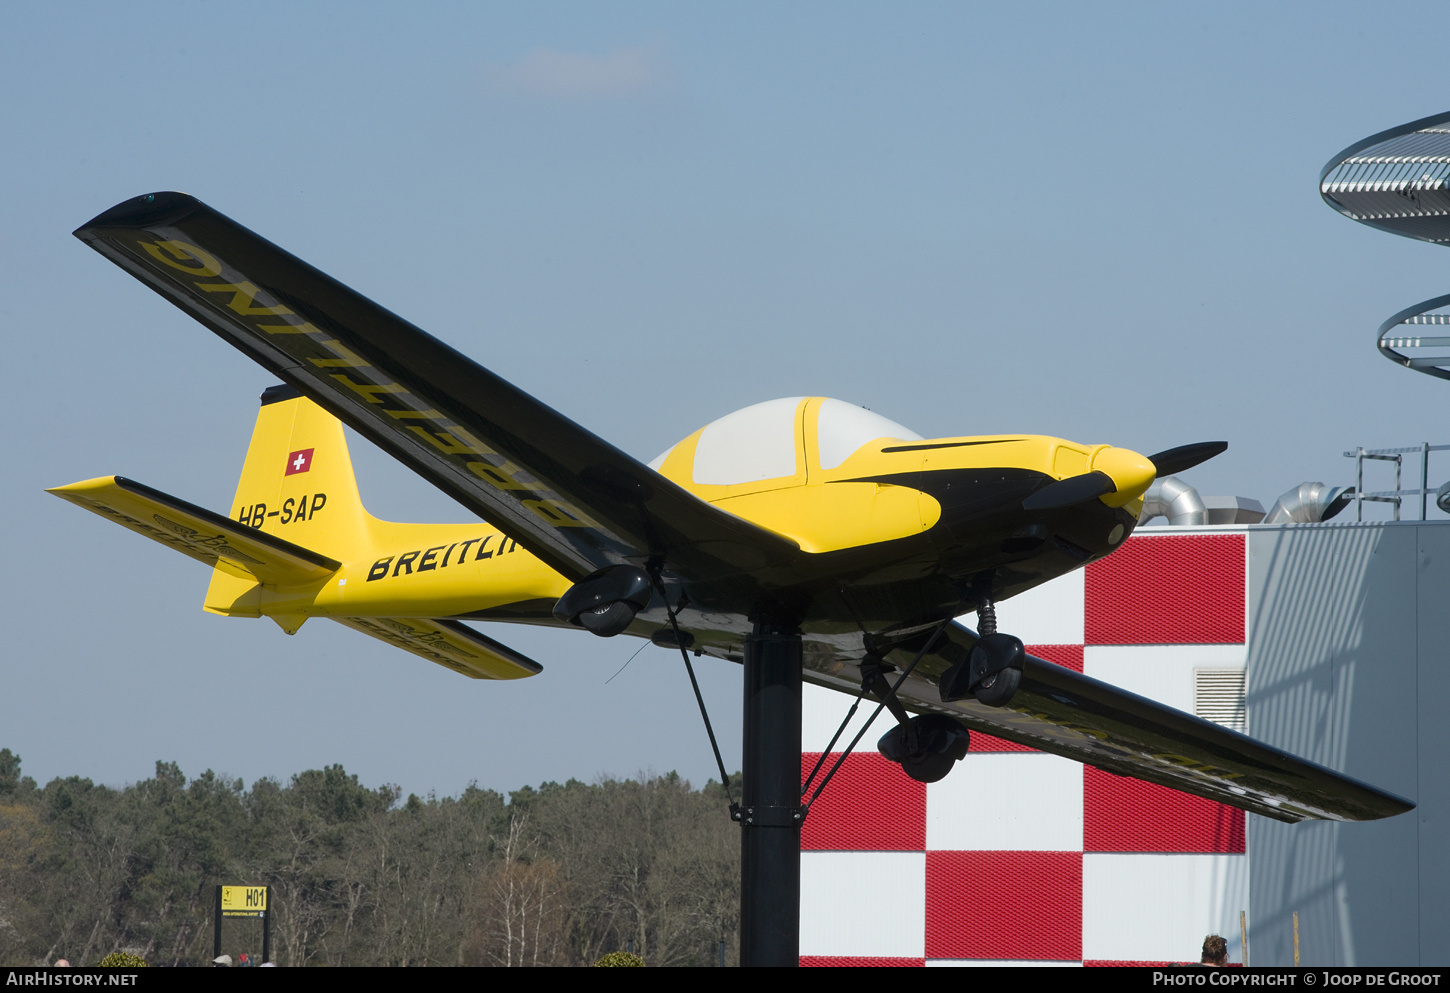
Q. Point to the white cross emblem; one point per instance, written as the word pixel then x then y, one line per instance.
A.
pixel 299 461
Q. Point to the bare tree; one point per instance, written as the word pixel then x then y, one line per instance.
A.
pixel 523 914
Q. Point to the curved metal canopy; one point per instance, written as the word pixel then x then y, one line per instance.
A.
pixel 1403 338
pixel 1397 180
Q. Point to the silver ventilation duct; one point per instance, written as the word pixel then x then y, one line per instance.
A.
pixel 1442 498
pixel 1309 503
pixel 1174 499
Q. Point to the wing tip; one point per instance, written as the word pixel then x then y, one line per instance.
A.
pixel 143 211
pixel 69 490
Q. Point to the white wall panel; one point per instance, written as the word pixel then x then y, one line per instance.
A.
pixel 1050 614
pixel 822 711
pixel 863 903
pixel 1159 672
pixel 1007 801
pixel 1159 907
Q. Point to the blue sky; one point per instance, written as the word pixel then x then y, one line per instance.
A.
pixel 1094 221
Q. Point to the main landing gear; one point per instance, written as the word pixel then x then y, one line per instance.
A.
pixel 926 746
pixel 992 671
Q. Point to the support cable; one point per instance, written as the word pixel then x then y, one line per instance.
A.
pixel 921 653
pixel 700 699
pixel 835 737
pixel 867 686
pixel 856 703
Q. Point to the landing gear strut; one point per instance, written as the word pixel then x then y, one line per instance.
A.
pixel 992 671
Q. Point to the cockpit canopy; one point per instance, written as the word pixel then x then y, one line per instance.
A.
pixel 764 441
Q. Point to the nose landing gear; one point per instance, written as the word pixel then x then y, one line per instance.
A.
pixel 992 671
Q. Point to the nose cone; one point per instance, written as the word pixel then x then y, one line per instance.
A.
pixel 1131 473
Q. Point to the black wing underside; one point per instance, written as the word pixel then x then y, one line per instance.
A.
pixel 568 496
pixel 1067 713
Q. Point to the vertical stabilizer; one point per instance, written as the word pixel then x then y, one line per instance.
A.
pixel 298 484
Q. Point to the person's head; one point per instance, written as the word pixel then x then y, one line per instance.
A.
pixel 1215 950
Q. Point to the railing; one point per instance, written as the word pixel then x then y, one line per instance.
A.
pixel 1394 497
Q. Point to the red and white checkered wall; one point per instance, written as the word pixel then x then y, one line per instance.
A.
pixel 1020 857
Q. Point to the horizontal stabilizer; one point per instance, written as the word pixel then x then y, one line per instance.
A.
pixel 450 644
pixel 195 531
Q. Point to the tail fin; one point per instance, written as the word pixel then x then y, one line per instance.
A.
pixel 297 506
pixel 297 482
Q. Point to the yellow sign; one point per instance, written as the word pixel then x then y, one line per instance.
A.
pixel 244 901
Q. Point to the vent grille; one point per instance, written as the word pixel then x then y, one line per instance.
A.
pixel 1218 696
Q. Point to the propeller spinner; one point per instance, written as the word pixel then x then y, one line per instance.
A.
pixel 1122 475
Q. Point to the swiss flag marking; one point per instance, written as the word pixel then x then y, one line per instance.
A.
pixel 299 461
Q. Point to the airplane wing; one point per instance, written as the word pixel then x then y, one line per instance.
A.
pixel 566 495
pixel 1064 712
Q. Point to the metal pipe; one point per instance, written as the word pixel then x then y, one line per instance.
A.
pixel 1359 484
pixel 1174 499
pixel 1424 479
pixel 1309 503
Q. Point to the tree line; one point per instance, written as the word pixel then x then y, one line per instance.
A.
pixel 558 875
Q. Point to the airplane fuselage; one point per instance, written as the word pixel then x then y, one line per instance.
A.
pixel 896 535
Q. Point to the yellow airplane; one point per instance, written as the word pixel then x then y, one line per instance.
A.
pixel 841 535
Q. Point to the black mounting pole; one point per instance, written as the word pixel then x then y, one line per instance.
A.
pixel 216 943
pixel 770 814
